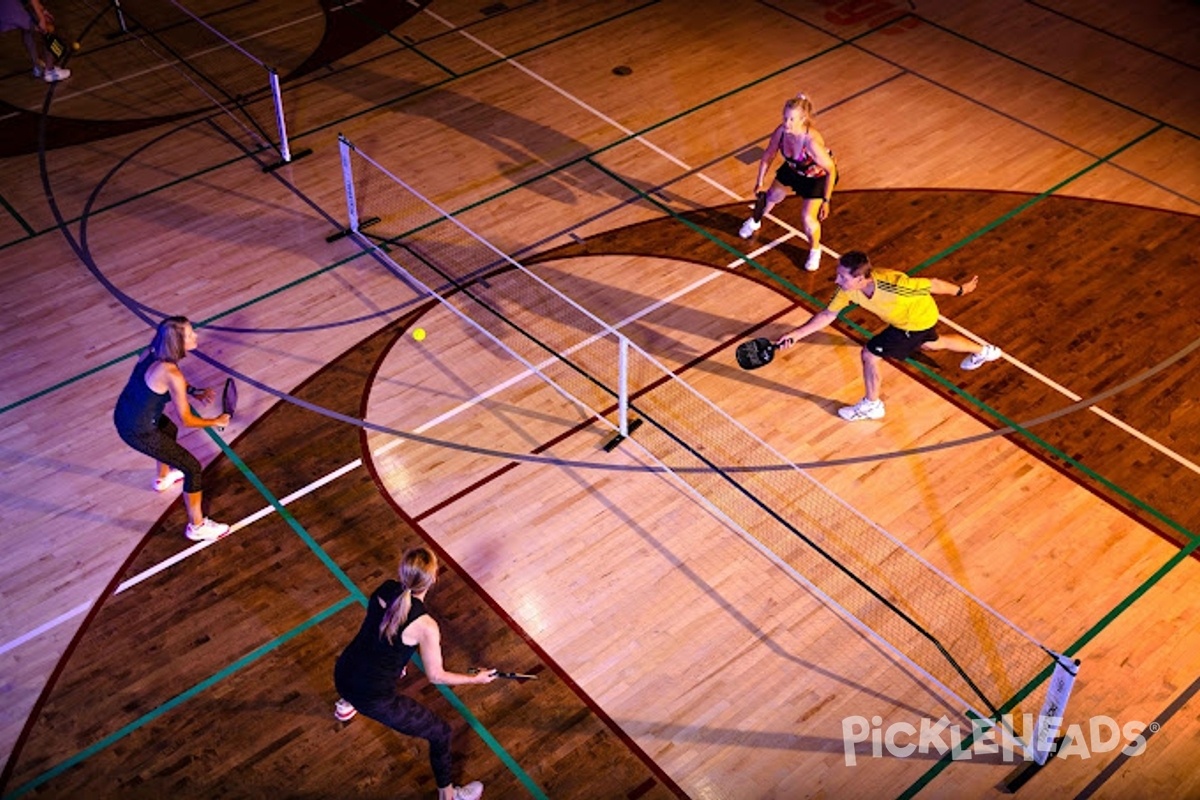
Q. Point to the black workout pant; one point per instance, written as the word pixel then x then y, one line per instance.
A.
pixel 403 714
pixel 160 445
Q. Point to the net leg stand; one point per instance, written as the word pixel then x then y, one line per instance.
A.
pixel 624 426
pixel 285 151
pixel 356 224
pixel 1021 775
pixel 123 27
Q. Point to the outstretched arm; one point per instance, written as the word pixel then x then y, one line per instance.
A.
pixel 429 639
pixel 820 320
pixel 939 286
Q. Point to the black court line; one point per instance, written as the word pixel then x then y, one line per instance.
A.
pixel 1117 36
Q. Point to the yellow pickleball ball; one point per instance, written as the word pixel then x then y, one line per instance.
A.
pixel 419 334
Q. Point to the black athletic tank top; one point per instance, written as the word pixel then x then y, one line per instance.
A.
pixel 139 406
pixel 369 667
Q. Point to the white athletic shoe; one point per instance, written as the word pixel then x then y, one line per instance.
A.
pixel 206 530
pixel 814 260
pixel 863 409
pixel 170 479
pixel 749 227
pixel 976 360
pixel 344 711
pixel 55 74
pixel 472 791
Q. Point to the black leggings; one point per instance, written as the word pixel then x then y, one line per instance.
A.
pixel 403 714
pixel 160 445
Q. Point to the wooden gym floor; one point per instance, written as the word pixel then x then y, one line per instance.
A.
pixel 1048 147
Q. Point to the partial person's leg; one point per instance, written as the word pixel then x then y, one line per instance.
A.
pixel 871 376
pixel 405 715
pixel 980 354
pixel 775 194
pixel 811 225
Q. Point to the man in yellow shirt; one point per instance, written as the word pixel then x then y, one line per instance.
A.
pixel 906 304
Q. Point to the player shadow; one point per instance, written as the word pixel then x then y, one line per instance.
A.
pixel 764 377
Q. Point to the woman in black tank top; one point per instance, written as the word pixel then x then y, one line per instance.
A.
pixel 366 672
pixel 140 422
pixel 808 170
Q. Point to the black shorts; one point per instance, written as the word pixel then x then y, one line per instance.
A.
pixel 802 185
pixel 893 342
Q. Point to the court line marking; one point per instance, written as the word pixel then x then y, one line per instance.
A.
pixel 631 135
pixel 354 595
pixel 1104 415
pixel 317 484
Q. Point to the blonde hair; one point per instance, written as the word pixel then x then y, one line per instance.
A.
pixel 418 570
pixel 804 104
pixel 167 344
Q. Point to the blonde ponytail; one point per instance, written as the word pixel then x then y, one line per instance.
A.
pixel 418 571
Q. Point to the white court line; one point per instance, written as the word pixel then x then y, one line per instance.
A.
pixel 356 463
pixel 180 556
pixel 1124 426
pixel 792 231
pixel 1024 367
pixel 166 64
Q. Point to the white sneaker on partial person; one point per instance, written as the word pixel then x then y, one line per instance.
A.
pixel 344 710
pixel 39 70
pixel 863 409
pixel 814 260
pixel 55 74
pixel 472 791
pixel 749 227
pixel 167 481
pixel 976 360
pixel 206 530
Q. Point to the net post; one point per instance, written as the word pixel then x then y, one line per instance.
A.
pixel 345 146
pixel 624 427
pixel 285 150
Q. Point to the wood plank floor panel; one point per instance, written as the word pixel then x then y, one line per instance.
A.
pixel 1012 90
pixel 1054 44
pixel 1084 291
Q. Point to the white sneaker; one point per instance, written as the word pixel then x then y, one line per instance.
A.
pixel 863 409
pixel 206 530
pixel 166 482
pixel 38 70
pixel 976 360
pixel 344 711
pixel 814 260
pixel 55 74
pixel 749 227
pixel 472 791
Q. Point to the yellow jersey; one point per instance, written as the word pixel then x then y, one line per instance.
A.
pixel 899 300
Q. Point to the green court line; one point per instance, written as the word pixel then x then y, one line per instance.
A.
pixel 179 699
pixel 200 324
pixel 961 243
pixel 923 265
pixel 357 595
pixel 1071 651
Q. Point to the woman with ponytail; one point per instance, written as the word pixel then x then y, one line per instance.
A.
pixel 141 424
pixel 396 626
pixel 808 170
